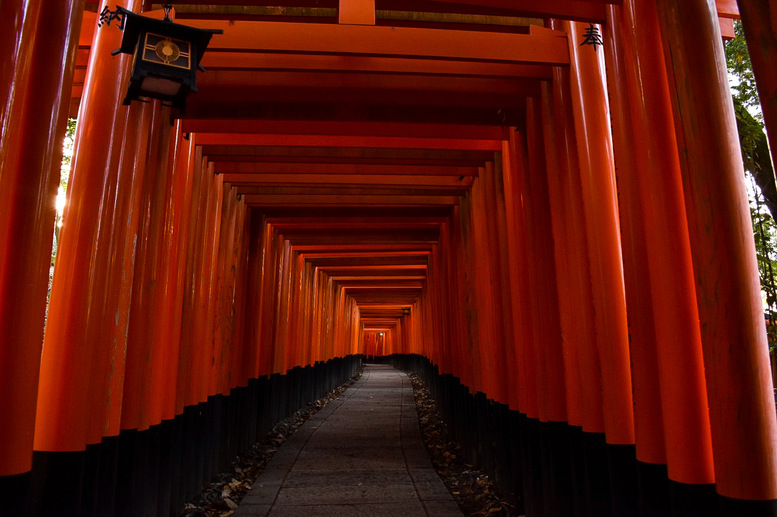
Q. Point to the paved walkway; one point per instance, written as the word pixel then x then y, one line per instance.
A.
pixel 361 455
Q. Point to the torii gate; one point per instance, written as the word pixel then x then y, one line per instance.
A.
pixel 565 247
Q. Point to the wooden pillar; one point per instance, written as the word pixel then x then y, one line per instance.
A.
pixel 115 300
pixel 547 329
pixel 195 333
pixel 482 271
pixel 137 401
pixel 64 399
pixel 489 228
pixel 253 296
pixel 175 189
pixel 564 254
pixel 579 290
pixel 448 289
pixel 741 400
pixel 294 352
pixel 657 182
pixel 39 48
pixel 266 308
pixel 648 416
pixel 225 287
pixel 283 293
pixel 500 274
pixel 477 357
pixel 459 297
pixel 597 170
pixel 179 228
pixel 213 244
pixel 245 290
pixel 186 393
pixel 503 280
pixel 520 276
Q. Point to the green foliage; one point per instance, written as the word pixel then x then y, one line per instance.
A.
pixel 64 177
pixel 764 227
pixel 67 155
pixel 740 66
pixel 757 162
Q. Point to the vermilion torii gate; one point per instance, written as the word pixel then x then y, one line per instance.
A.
pixel 562 248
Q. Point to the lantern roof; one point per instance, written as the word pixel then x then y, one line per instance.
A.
pixel 135 23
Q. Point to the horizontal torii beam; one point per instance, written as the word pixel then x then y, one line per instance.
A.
pixel 387 41
pixel 347 141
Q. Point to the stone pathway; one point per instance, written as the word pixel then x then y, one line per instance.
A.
pixel 361 455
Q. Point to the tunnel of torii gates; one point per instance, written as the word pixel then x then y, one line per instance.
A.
pixel 537 205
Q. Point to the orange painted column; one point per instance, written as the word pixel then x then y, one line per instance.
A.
pixel 478 301
pixel 515 200
pixel 481 309
pixel 564 254
pixel 648 415
pixel 466 373
pixel 15 38
pixel 739 386
pixel 534 362
pixel 504 295
pixel 213 244
pixel 320 314
pixel 245 360
pixel 283 293
pixel 455 301
pixel 436 299
pixel 495 215
pixel 447 288
pixel 141 350
pixel 294 352
pixel 64 399
pixel 516 388
pixel 315 314
pixel 35 78
pixel 185 390
pixel 218 289
pixel 579 289
pixel 235 274
pixel 597 170
pixel 337 311
pixel 253 286
pixel 484 309
pixel 202 338
pixel 109 319
pixel 659 184
pixel 230 239
pixel 168 285
pixel 759 20
pixel 267 309
pixel 181 223
pixel 195 325
pixel 544 281
pixel 304 311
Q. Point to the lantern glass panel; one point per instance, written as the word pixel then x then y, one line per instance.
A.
pixel 160 86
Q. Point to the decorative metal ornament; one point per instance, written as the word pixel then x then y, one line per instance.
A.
pixel 166 55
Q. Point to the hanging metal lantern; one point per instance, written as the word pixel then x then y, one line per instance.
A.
pixel 166 55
